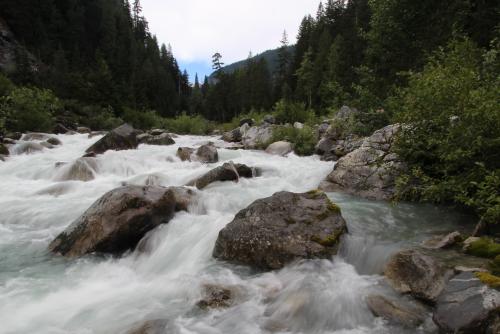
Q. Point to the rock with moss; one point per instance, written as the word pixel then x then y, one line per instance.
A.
pixel 280 229
pixel 371 170
pixel 419 275
pixel 483 247
pixel 118 220
pixel 467 305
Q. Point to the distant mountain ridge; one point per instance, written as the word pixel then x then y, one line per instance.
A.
pixel 271 57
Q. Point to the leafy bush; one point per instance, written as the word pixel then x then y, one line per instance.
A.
pixel 484 247
pixel 143 120
pixel 291 112
pixel 304 140
pixel 6 86
pixel 29 109
pixel 100 118
pixel 184 124
pixel 452 137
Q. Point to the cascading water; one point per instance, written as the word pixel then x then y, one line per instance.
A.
pixel 43 293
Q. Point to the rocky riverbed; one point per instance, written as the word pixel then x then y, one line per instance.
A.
pixel 157 233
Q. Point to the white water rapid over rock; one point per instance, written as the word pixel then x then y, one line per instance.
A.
pixel 43 293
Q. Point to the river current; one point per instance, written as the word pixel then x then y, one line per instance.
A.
pixel 43 293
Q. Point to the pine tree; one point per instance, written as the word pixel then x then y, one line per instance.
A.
pixel 217 63
pixel 305 76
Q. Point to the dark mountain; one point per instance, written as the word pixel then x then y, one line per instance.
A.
pixel 270 56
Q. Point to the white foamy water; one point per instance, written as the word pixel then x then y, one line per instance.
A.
pixel 42 293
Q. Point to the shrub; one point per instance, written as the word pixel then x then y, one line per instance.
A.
pixel 6 86
pixel 304 140
pixel 484 247
pixel 29 109
pixel 144 120
pixel 184 124
pixel 100 118
pixel 291 112
pixel 452 138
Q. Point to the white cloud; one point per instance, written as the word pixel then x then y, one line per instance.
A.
pixel 198 28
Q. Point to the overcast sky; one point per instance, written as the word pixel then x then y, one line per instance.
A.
pixel 197 29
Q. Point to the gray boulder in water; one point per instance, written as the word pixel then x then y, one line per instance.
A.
pixel 118 220
pixel 416 274
pixel 277 230
pixel 256 136
pixel 82 169
pixel 396 312
pixel 27 147
pixel 162 139
pixel 207 153
pixel 468 306
pixel 369 171
pixel 281 148
pixel 121 138
pixel 229 171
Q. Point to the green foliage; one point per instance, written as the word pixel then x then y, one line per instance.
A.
pixel 185 124
pixel 452 137
pixel 303 140
pixel 29 109
pixel 484 247
pixel 143 120
pixel 100 118
pixel 489 279
pixel 291 112
pixel 495 265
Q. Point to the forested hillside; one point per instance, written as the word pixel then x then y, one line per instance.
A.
pixel 99 53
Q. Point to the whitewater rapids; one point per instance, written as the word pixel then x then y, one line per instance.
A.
pixel 43 293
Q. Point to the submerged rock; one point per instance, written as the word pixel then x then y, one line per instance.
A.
pixel 416 274
pixel 27 148
pixel 30 136
pixel 82 169
pixel 121 138
pixel 281 148
pixel 54 141
pixel 157 326
pixel 274 231
pixel 467 306
pixel 440 242
pixel 118 220
pixel 215 296
pixel 369 171
pixel 395 312
pixel 83 129
pixel 229 171
pixel 185 153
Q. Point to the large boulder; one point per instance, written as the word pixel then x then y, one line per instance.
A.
pixel 369 171
pixel 416 274
pixel 332 149
pixel 257 136
pixel 121 138
pixel 162 139
pixel 467 306
pixel 395 312
pixel 232 136
pixel 207 153
pixel 277 230
pixel 118 220
pixel 279 148
pixel 229 171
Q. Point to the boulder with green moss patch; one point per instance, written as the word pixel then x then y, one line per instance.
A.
pixel 277 230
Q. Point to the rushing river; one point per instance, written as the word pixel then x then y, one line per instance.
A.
pixel 42 293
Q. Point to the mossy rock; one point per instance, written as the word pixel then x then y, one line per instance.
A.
pixel 489 279
pixel 484 247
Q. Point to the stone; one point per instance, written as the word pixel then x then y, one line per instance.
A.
pixel 30 136
pixel 185 153
pixel 411 272
pixel 366 171
pixel 54 141
pixel 229 171
pixel 157 132
pixel 121 138
pixel 14 135
pixel 207 153
pixel 440 242
pixel 9 141
pixel 156 326
pixel 83 129
pixel 269 119
pixel 248 121
pixel 215 297
pixel 27 148
pixel 232 136
pixel 395 312
pixel 274 231
pixel 298 125
pixel 60 129
pixel 162 139
pixel 118 220
pixel 82 169
pixel 97 133
pixel 4 150
pixel 467 306
pixel 257 136
pixel 281 148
